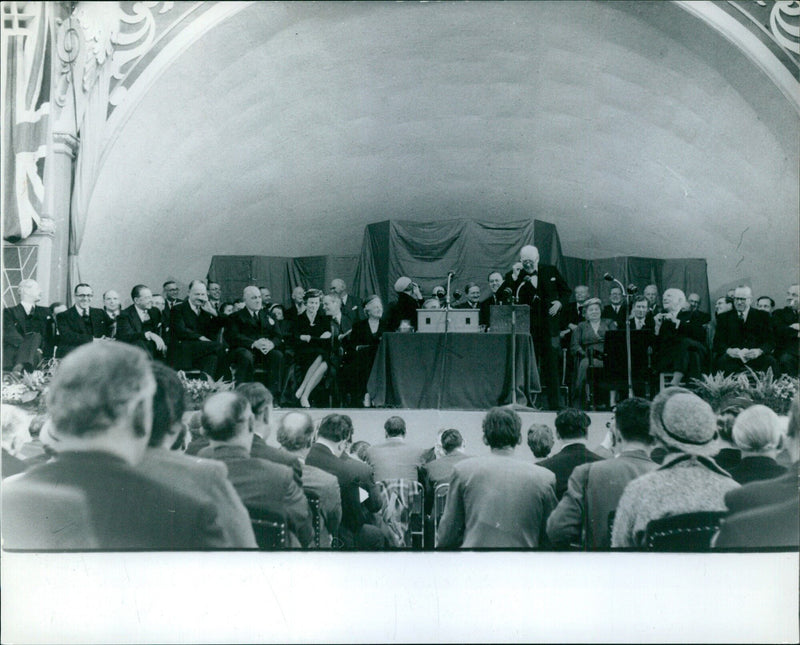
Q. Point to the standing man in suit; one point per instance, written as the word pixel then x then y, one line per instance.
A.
pixel 572 429
pixel 255 339
pixel 594 489
pixel 27 330
pixel 616 310
pixel 140 324
pixel 651 293
pixel 495 279
pixel 394 458
pixel 542 287
pixel 350 308
pixel 409 299
pixel 786 327
pixel 497 501
pixel 215 297
pixel 101 411
pixel 744 337
pixel 112 307
pixel 329 454
pixel 193 326
pixel 297 305
pixel 81 323
pixel 170 291
pixel 697 316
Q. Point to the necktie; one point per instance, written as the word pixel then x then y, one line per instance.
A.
pixel 145 316
pixel 86 319
pixel 741 317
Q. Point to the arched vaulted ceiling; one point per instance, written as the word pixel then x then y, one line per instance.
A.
pixel 634 127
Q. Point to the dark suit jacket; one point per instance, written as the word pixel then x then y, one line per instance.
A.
pixel 243 329
pixel 485 313
pixel 127 510
pixel 352 475
pixel 74 333
pixel 618 317
pixel 764 493
pixel 186 325
pixel 437 471
pixel 565 461
pixel 265 484
pixel 756 333
pixel 551 287
pixel 131 329
pixel 756 468
pixel 775 525
pixel 351 310
pixel 786 340
pixel 16 325
pixel 497 502
pixel 404 309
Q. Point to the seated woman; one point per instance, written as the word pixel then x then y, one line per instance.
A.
pixel 587 344
pixel 312 333
pixel 757 433
pixel 361 347
pixel 680 340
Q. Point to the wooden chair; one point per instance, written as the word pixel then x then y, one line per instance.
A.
pixel 270 528
pixel 439 501
pixel 685 532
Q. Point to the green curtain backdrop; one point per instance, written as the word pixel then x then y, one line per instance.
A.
pixel 426 251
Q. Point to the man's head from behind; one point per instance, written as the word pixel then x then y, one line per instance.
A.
pixel 395 427
pixel 540 440
pixel 632 420
pixel 226 417
pixel 295 431
pixel 572 424
pixel 103 385
pixel 336 429
pixel 260 400
pixel 502 428
pixel 451 441
pixel 168 405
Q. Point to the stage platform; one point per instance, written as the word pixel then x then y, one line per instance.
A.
pixel 422 426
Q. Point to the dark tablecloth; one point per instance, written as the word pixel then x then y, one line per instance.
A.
pixel 408 370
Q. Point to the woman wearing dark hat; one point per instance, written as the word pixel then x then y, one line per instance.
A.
pixel 312 339
pixel 362 345
pixel 587 345
pixel 688 481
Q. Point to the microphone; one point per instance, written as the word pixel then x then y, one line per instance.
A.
pixel 608 277
pixel 507 293
pixel 457 295
pixel 632 288
pixel 451 274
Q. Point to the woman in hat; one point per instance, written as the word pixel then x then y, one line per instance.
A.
pixel 312 340
pixel 587 345
pixel 688 481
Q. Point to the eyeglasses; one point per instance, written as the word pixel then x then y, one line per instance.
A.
pixel 84 295
pixel 740 298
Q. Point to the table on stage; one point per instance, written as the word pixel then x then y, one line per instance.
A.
pixel 407 371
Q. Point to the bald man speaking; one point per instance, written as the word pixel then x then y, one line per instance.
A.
pixel 255 339
pixel 544 290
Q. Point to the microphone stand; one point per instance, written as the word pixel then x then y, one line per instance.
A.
pixel 627 334
pixel 442 379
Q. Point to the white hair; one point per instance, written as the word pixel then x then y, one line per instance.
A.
pixel 757 429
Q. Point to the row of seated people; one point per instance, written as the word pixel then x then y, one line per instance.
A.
pixel 318 336
pixel 114 440
pixel 675 339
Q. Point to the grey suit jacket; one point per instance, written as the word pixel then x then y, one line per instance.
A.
pixel 394 459
pixel 592 493
pixel 497 502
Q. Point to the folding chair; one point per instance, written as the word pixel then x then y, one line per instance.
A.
pixel 316 517
pixel 685 532
pixel 269 528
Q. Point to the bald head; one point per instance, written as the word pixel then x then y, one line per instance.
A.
pixel 225 416
pixel 295 431
pixel 338 286
pixel 529 253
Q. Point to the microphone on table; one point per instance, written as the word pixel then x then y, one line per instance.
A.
pixel 632 288
pixel 608 277
pixel 506 293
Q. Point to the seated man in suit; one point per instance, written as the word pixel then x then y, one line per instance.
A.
pixel 497 501
pixel 82 323
pixel 192 328
pixel 572 430
pixel 473 294
pixel 101 408
pixel 255 339
pixel 228 423
pixel 140 324
pixel 497 297
pixel 394 458
pixel 744 337
pixel 786 327
pixel 295 434
pixel 680 339
pixel 594 489
pixel 205 479
pixel 341 328
pixel 27 330
pixel 355 479
pixel 440 470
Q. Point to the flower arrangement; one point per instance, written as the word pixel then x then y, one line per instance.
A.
pixel 197 390
pixel 29 389
pixel 758 387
